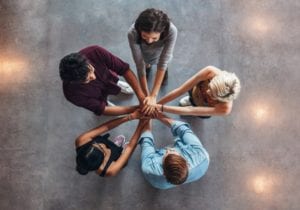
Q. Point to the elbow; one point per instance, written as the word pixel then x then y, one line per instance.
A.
pixel 211 71
pixel 127 72
pixel 210 67
pixel 111 173
pixel 78 140
pixel 225 111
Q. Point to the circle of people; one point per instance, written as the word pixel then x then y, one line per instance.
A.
pixel 91 75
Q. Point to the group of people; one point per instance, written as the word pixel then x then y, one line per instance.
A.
pixel 91 75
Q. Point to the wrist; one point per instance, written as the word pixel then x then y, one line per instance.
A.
pixel 162 108
pixel 129 117
pixel 154 95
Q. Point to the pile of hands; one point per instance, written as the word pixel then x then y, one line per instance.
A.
pixel 147 110
pixel 149 107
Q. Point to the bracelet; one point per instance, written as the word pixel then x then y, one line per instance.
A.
pixel 162 108
pixel 129 117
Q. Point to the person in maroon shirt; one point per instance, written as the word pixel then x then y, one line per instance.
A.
pixel 91 74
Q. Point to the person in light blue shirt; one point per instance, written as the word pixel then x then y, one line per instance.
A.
pixel 185 161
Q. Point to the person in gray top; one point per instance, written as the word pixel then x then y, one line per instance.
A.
pixel 152 39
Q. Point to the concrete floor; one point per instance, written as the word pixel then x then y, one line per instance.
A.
pixel 254 151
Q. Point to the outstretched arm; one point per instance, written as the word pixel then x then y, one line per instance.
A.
pixel 132 80
pixel 150 101
pixel 118 110
pixel 144 85
pixel 204 74
pixel 180 129
pixel 87 136
pixel 138 59
pixel 220 109
pixel 122 160
pixel 165 120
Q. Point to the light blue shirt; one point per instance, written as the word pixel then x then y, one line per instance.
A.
pixel 186 143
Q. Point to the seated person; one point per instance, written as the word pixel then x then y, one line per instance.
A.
pixel 186 161
pixel 91 75
pixel 211 92
pixel 97 153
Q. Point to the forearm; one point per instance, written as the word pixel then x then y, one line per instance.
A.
pixel 144 85
pixel 203 74
pixel 123 159
pixel 119 110
pixel 171 96
pixel 132 80
pixel 167 52
pixel 166 120
pixel 157 82
pixel 191 110
pixel 87 136
pixel 184 88
pixel 135 137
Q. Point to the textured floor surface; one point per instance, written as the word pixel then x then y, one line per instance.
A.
pixel 254 151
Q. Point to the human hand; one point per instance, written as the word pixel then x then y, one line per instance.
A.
pixel 137 114
pixel 154 114
pixel 160 115
pixel 149 105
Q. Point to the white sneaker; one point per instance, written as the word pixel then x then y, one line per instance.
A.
pixel 185 101
pixel 125 87
pixel 110 103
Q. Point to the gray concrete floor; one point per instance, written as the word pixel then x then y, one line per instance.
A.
pixel 254 151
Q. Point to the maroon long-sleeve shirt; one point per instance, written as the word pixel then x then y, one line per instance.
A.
pixel 93 95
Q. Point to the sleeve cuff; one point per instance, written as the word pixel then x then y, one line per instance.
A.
pixel 146 134
pixel 177 124
pixel 162 66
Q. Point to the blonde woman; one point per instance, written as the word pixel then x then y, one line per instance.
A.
pixel 211 92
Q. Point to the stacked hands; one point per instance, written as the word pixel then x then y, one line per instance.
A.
pixel 147 112
pixel 148 109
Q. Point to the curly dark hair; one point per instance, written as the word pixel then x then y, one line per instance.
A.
pixel 73 68
pixel 152 20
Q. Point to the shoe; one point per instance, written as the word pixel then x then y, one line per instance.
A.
pixel 165 79
pixel 148 69
pixel 185 101
pixel 110 103
pixel 119 140
pixel 125 87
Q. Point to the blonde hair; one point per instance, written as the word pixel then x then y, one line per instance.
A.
pixel 225 87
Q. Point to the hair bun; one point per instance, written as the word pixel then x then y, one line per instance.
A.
pixel 81 170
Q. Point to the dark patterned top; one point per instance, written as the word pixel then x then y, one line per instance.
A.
pixel 93 95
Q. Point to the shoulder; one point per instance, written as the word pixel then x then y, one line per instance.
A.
pixel 172 33
pixel 152 165
pixel 70 89
pixel 94 51
pixel 91 48
pixel 224 108
pixel 172 29
pixel 132 33
pixel 207 73
pixel 213 71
